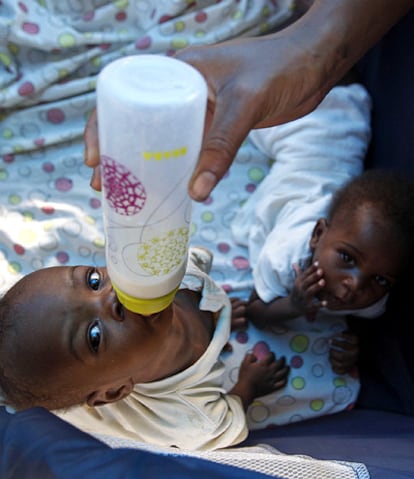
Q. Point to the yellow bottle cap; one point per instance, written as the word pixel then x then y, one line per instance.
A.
pixel 145 306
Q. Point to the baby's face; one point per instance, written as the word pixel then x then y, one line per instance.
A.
pixel 72 332
pixel 360 258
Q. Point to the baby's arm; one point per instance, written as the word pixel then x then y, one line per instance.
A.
pixel 344 352
pixel 302 300
pixel 258 377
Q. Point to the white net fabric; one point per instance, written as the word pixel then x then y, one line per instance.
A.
pixel 261 458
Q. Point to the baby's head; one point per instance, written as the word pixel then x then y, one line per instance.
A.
pixel 65 340
pixel 367 241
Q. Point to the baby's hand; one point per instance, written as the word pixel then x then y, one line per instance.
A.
pixel 238 314
pixel 343 352
pixel 265 375
pixel 307 285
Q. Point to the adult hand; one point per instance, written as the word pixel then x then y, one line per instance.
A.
pixel 92 150
pixel 269 80
pixel 265 81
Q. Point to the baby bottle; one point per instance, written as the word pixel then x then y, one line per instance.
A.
pixel 151 111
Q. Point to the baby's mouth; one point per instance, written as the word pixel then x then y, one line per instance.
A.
pixel 331 301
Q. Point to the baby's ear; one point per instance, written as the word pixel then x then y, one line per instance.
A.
pixel 110 393
pixel 319 229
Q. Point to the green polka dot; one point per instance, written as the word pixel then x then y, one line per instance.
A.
pixel 96 61
pixel 18 148
pixel 200 33
pixel 28 236
pixel 90 220
pixel 178 43
pixel 299 343
pixel 67 40
pixel 5 59
pixel 193 229
pixel 256 174
pixel 179 26
pixel 237 15
pixel 207 217
pixel 338 382
pixel 3 174
pixel 7 133
pixel 28 216
pixel 265 11
pixel 13 48
pixel 14 199
pixel 99 242
pixel 316 404
pixel 298 382
pixel 121 4
pixel 48 226
pixel 264 28
pixel 15 267
pixel 63 73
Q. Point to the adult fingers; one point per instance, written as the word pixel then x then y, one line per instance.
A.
pixel 219 148
pixel 92 150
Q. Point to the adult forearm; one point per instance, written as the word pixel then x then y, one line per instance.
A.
pixel 337 33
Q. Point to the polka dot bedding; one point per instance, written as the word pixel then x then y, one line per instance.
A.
pixel 50 54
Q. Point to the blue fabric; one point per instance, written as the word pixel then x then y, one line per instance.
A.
pixel 383 441
pixel 37 444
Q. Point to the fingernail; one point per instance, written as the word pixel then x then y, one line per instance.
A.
pixel 202 185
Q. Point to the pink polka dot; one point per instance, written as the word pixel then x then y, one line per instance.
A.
pixel 201 17
pixel 48 167
pixel 250 187
pixel 9 158
pixel 95 203
pixel 143 43
pixel 31 28
pixel 89 16
pixel 208 201
pixel 120 16
pixel 55 115
pixel 48 210
pixel 26 88
pixel 242 337
pixel 223 247
pixel 240 263
pixel 63 184
pixel 19 249
pixel 261 350
pixel 227 288
pixel 39 141
pixel 62 257
pixel 296 362
pixel 164 18
pixel 105 46
pixel 23 7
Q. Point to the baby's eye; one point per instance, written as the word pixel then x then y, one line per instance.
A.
pixel 346 258
pixel 94 336
pixel 94 279
pixel 381 281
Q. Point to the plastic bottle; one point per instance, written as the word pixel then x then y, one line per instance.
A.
pixel 151 112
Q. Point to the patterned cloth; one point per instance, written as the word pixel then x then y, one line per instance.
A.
pixel 50 54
